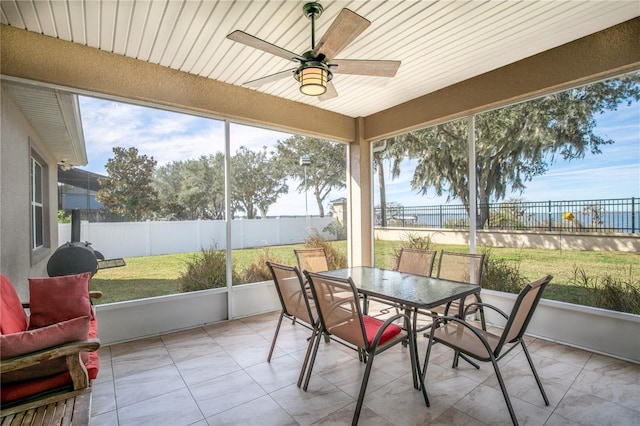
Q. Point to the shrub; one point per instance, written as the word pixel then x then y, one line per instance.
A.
pixel 615 294
pixel 411 240
pixel 204 271
pixel 336 259
pixel 338 229
pixel 501 275
pixel 258 270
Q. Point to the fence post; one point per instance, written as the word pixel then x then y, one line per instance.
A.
pixel 549 215
pixel 633 215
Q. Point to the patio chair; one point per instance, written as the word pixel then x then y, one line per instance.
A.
pixel 414 261
pixel 460 267
pixel 312 259
pixel 295 305
pixel 482 345
pixel 342 317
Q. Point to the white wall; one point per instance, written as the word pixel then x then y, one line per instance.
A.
pixel 132 239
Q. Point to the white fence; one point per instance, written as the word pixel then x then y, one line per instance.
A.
pixel 132 239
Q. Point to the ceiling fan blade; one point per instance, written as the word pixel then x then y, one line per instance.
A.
pixel 330 93
pixel 270 78
pixel 365 67
pixel 343 30
pixel 255 42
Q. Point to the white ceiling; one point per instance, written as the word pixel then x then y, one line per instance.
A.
pixel 439 42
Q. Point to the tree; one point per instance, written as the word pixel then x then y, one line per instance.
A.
pixel 256 181
pixel 514 144
pixel 128 189
pixel 192 189
pixel 393 151
pixel 327 171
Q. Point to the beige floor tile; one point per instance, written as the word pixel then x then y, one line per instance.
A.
pixel 103 397
pixel 225 392
pixel 170 409
pixel 399 403
pixel 612 388
pixel 487 405
pixel 203 368
pixel 453 417
pixel 320 400
pixel 344 417
pixel 147 384
pixel 607 366
pixel 277 374
pixel 566 354
pixel 589 410
pixel 131 358
pixel 110 418
pixel 258 412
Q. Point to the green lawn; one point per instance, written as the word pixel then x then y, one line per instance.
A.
pixel 156 275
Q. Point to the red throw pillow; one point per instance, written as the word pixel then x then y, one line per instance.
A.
pixel 42 338
pixel 13 318
pixel 59 299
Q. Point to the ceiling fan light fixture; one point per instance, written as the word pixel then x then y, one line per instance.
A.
pixel 313 78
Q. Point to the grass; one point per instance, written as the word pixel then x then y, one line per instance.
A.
pixel 156 275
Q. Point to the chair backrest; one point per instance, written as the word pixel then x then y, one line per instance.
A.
pixel 416 261
pixel 337 304
pixel 291 291
pixel 461 267
pixel 312 260
pixel 522 311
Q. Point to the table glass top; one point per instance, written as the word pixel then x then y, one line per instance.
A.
pixel 409 289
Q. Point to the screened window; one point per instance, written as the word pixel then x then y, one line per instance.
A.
pixel 38 194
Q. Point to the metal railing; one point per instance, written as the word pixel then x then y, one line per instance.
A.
pixel 607 215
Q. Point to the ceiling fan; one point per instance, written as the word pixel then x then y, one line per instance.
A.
pixel 317 66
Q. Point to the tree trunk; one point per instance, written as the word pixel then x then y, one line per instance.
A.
pixel 383 196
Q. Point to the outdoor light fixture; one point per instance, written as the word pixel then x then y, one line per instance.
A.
pixel 313 77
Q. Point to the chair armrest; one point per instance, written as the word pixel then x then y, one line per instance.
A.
pixel 34 358
pixel 486 305
pixel 70 351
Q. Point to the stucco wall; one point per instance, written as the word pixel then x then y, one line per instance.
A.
pixel 541 240
pixel 15 260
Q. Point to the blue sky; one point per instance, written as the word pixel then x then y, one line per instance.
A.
pixel 169 136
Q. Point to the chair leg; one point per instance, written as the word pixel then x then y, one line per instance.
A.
pixel 312 361
pixel 415 368
pixel 363 389
pixel 275 336
pixel 503 387
pixel 535 373
pixel 466 358
pixel 423 376
pixel 305 362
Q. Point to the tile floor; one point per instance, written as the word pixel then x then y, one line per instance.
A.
pixel 218 375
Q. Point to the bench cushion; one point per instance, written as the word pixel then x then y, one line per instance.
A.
pixel 25 342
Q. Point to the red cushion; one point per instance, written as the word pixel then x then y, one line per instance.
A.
pixel 13 318
pixel 42 338
pixel 372 325
pixel 59 299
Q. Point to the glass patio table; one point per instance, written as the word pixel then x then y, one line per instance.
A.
pixel 411 291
